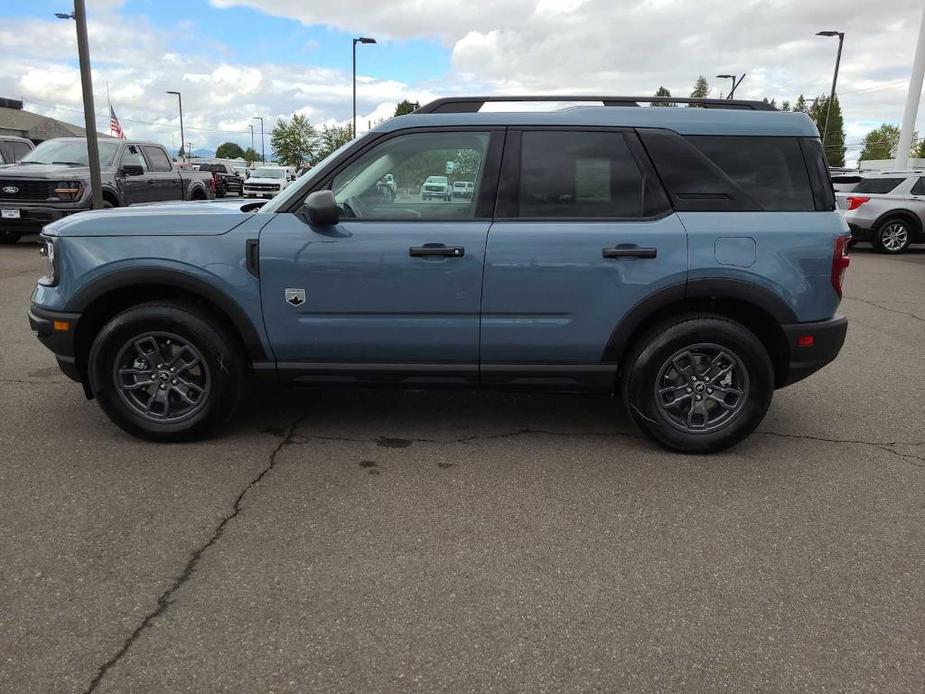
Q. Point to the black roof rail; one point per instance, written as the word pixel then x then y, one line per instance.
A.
pixel 472 104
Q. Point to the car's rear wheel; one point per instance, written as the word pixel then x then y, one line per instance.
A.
pixel 166 371
pixel 893 236
pixel 698 383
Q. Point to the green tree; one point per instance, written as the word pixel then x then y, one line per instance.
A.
pixel 918 151
pixel 331 138
pixel 701 88
pixel 880 143
pixel 229 150
pixel 662 91
pixel 294 141
pixel 785 105
pixel 251 155
pixel 405 107
pixel 835 137
pixel 800 105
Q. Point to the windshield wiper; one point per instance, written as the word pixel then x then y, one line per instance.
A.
pixel 70 163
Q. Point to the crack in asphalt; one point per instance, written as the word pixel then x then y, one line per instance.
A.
pixel 886 308
pixel 21 381
pixel 164 600
pixel 887 446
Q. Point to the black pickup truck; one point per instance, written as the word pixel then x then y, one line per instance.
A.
pixel 226 182
pixel 53 181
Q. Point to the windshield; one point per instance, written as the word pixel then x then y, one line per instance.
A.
pixel 72 152
pixel 299 190
pixel 269 173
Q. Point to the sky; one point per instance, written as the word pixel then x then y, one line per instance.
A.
pixel 234 59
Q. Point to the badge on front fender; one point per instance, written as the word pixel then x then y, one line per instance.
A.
pixel 295 297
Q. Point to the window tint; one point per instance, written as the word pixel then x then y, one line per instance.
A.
pixel 20 149
pixel 919 187
pixel 878 185
pixel 159 160
pixel 818 169
pixel 769 169
pixel 582 174
pixel 132 155
pixel 411 177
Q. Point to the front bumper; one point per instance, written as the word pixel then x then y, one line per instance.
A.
pixel 827 340
pixel 56 330
pixel 32 217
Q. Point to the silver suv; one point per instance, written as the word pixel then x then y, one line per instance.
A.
pixel 887 209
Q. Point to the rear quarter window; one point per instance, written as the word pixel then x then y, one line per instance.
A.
pixel 878 185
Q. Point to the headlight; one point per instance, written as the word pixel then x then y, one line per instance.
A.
pixel 68 190
pixel 47 251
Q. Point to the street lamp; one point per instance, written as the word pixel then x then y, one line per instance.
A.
pixel 182 137
pixel 828 111
pixel 360 39
pixel 83 54
pixel 263 151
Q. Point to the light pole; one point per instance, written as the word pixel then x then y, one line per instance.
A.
pixel 251 126
pixel 263 151
pixel 83 53
pixel 359 39
pixel 912 99
pixel 828 111
pixel 182 137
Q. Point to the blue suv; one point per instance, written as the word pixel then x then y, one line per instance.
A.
pixel 689 259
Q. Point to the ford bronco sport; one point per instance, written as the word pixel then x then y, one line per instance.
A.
pixel 689 259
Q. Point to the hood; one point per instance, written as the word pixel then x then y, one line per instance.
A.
pixel 201 218
pixel 60 172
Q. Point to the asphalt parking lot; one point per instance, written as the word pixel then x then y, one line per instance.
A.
pixel 381 541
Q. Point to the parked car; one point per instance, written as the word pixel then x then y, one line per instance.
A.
pixel 12 149
pixel 436 187
pixel 53 181
pixel 242 171
pixel 224 182
pixel 689 259
pixel 463 189
pixel 267 181
pixel 886 209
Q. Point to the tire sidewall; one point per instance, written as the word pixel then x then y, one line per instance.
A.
pixel 224 363
pixel 644 367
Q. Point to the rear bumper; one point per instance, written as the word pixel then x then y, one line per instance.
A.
pixel 828 338
pixel 860 233
pixel 48 327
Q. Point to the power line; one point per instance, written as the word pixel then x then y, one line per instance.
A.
pixel 133 120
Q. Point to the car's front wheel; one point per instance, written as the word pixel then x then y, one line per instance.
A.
pixel 893 236
pixel 698 383
pixel 166 371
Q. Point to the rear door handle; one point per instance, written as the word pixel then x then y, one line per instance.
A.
pixel 630 252
pixel 436 250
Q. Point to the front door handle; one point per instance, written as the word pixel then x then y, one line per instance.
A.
pixel 630 252
pixel 430 250
pixel 152 180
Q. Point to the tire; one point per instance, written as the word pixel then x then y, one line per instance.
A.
pixel 678 355
pixel 9 237
pixel 208 364
pixel 893 236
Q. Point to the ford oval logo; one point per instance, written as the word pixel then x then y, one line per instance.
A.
pixel 10 189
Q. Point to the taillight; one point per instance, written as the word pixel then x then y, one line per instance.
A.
pixel 840 262
pixel 855 201
pixel 212 182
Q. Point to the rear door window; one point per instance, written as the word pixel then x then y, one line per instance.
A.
pixel 582 174
pixel 770 169
pixel 878 185
pixel 919 187
pixel 158 159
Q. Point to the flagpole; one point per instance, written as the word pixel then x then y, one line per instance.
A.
pixel 109 101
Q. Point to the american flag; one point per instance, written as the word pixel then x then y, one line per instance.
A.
pixel 114 126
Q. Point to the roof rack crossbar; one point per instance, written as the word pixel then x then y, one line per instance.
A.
pixel 472 104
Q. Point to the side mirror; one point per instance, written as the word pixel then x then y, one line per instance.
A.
pixel 132 170
pixel 322 208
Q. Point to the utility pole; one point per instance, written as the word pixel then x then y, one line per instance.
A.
pixel 86 83
pixel 182 136
pixel 828 111
pixel 912 99
pixel 359 39
pixel 251 126
pixel 263 150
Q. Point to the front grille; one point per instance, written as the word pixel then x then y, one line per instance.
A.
pixel 28 190
pixel 261 186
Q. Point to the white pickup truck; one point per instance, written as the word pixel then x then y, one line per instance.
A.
pixel 267 181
